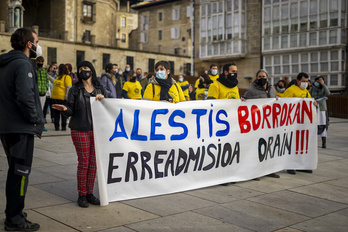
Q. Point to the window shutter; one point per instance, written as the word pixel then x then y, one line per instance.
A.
pixel 172 34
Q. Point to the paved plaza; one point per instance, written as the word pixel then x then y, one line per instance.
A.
pixel 304 202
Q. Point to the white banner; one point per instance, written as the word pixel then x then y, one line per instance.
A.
pixel 147 148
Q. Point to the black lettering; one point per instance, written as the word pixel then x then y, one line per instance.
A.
pixel 158 161
pixel 262 143
pixel 211 165
pixel 194 157
pixel 145 157
pixel 228 149
pixel 182 157
pixel 170 161
pixel 131 165
pixel 112 167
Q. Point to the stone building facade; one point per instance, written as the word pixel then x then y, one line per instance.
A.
pixel 164 27
pixel 229 31
pixel 73 30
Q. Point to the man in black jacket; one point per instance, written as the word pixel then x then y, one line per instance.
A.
pixel 21 118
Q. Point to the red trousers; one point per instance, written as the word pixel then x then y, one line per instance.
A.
pixel 87 168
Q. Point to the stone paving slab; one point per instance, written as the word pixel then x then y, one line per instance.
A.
pixel 252 215
pixel 299 203
pixel 186 222
pixel 325 191
pixel 95 218
pixel 331 222
pixel 169 204
pixel 224 194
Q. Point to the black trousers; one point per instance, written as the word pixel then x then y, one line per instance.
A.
pixel 47 104
pixel 19 150
pixel 56 114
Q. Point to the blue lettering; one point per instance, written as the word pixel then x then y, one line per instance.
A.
pixel 122 133
pixel 135 135
pixel 199 113
pixel 153 135
pixel 225 132
pixel 172 123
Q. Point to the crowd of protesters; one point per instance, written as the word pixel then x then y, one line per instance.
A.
pixel 67 94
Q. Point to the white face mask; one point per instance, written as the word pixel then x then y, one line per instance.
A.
pixel 304 85
pixel 214 72
pixel 38 50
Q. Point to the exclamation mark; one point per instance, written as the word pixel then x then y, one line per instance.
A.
pixel 297 140
pixel 307 140
pixel 302 140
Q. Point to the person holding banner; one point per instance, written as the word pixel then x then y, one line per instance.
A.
pixel 203 87
pixel 225 87
pixel 132 88
pixel 260 88
pixel 299 89
pixel 163 87
pixel 320 92
pixel 81 124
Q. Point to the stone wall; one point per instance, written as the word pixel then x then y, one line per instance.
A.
pixel 167 44
pixel 66 53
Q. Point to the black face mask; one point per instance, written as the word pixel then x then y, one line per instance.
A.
pixel 280 86
pixel 114 72
pixel 85 75
pixel 261 81
pixel 39 65
pixel 232 76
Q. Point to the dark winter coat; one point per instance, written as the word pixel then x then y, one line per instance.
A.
pixel 20 108
pixel 256 91
pixel 78 107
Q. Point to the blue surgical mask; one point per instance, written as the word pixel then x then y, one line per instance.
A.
pixel 161 75
pixel 214 72
pixel 181 79
pixel 316 84
pixel 120 72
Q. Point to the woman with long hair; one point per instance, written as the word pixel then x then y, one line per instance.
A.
pixel 61 86
pixel 81 125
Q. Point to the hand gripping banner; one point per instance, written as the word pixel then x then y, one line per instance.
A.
pixel 147 148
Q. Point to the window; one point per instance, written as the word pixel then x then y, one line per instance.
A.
pixel 86 36
pixel 175 32
pixel 106 59
pixel 151 67
pixel 130 61
pixel 159 16
pixel 143 37
pixel 88 11
pixel 172 67
pixel 123 22
pixel 188 11
pixel 80 56
pixel 51 55
pixel 144 22
pixel 123 38
pixel 159 35
pixel 176 14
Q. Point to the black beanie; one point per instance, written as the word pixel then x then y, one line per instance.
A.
pixel 89 65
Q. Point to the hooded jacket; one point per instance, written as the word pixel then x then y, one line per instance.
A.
pixel 256 91
pixel 20 107
pixel 108 85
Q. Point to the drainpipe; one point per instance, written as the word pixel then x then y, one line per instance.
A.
pixel 192 21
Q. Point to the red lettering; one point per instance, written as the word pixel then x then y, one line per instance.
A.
pixel 267 110
pixel 291 107
pixel 307 111
pixel 284 113
pixel 255 121
pixel 275 112
pixel 297 113
pixel 244 124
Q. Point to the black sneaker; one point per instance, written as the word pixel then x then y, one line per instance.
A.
pixel 274 175
pixel 292 172
pixel 92 199
pixel 306 171
pixel 25 226
pixel 82 202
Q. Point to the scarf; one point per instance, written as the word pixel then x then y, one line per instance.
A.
pixel 229 82
pixel 165 86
